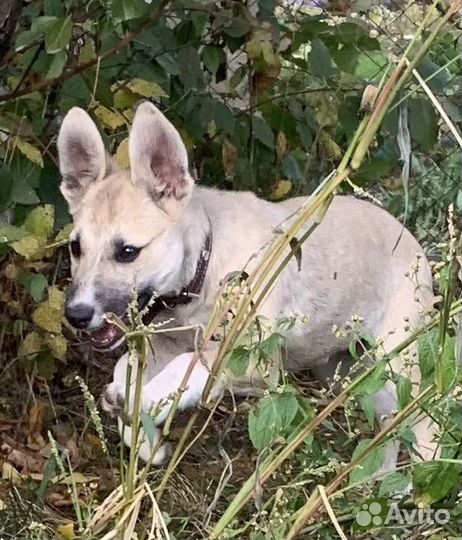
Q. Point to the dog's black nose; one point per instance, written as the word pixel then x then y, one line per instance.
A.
pixel 79 315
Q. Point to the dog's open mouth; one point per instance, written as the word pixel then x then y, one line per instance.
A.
pixel 106 337
pixel 109 335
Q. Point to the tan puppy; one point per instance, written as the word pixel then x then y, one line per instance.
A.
pixel 147 227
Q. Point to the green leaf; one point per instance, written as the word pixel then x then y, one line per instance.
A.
pixel 22 192
pixel 37 287
pixel 168 62
pixel 43 23
pixel 423 123
pixel 149 428
pixel 30 345
pixel 428 347
pixel 29 150
pixel 147 89
pixel 57 65
pixel 306 135
pixel 238 361
pixel 10 233
pixel 192 74
pixel 40 221
pixel 376 167
pixel 7 181
pixel 74 92
pixel 449 365
pixel 271 345
pixel 368 406
pixel 48 475
pixel 330 148
pixel 39 26
pixel 213 57
pixel 26 38
pixel 291 169
pixel 46 364
pixel 320 62
pixel 31 247
pixel 199 20
pixel 368 466
pixel 394 483
pixel 109 118
pixel 373 382
pixel 271 417
pixel 371 66
pixel 50 313
pixel 262 132
pixel 433 480
pixel 57 344
pixel 223 116
pixel 346 58
pixel 126 10
pixel 58 35
pixel 238 27
pixel 404 391
pixel 351 32
pixel 35 284
pixel 237 77
pixel 426 68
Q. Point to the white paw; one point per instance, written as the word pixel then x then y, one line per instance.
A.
pixel 145 446
pixel 112 400
pixel 160 392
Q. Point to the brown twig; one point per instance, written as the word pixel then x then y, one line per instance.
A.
pixel 126 40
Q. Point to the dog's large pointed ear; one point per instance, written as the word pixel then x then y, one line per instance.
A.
pixel 158 158
pixel 82 158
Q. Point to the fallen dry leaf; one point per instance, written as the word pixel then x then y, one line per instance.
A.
pixel 74 452
pixel 21 457
pixel 11 474
pixel 6 424
pixel 59 499
pixel 93 446
pixel 35 439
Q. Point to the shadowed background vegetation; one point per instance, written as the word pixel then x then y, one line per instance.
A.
pixel 267 96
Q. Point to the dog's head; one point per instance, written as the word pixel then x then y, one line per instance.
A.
pixel 126 230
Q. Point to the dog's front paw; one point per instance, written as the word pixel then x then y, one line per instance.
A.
pixel 112 400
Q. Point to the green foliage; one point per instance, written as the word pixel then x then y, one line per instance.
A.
pixel 429 351
pixel 394 483
pixel 272 417
pixel 178 63
pixel 373 381
pixel 370 465
pixel 434 480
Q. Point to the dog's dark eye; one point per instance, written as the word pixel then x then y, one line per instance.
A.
pixel 126 254
pixel 75 248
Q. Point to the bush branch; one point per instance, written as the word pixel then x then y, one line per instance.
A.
pixel 126 40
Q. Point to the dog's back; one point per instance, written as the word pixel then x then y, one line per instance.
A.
pixel 357 261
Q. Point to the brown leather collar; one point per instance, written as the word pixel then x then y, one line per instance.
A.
pixel 194 287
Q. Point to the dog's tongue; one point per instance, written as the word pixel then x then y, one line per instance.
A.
pixel 106 336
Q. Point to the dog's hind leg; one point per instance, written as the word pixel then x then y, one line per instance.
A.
pixel 406 364
pixel 336 366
